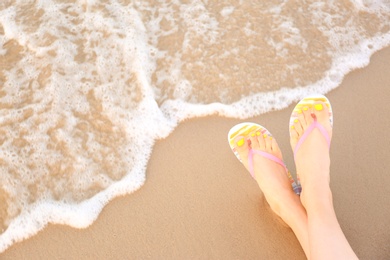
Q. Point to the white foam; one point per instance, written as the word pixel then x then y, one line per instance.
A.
pixel 227 10
pixel 106 98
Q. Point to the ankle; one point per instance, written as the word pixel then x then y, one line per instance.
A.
pixel 317 198
pixel 292 210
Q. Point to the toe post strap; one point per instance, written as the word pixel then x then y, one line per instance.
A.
pixel 244 130
pixel 263 154
pixel 295 186
pixel 310 129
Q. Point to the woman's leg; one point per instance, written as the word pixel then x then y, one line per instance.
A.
pixel 326 239
pixel 274 182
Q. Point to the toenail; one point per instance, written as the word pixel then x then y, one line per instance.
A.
pixel 292 127
pixel 258 133
pixel 264 135
pixel 240 142
pixel 299 111
pixel 252 134
pixel 318 107
pixel 296 121
pixel 305 108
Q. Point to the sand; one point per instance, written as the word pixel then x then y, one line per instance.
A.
pixel 199 202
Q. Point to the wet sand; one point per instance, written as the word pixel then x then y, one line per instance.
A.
pixel 199 202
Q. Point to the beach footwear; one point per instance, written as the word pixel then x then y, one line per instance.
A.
pixel 304 105
pixel 244 130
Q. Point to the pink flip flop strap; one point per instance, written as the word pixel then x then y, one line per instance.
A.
pixel 314 125
pixel 264 154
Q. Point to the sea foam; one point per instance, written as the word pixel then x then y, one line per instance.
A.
pixel 87 88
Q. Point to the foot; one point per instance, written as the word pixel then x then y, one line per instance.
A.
pixel 312 157
pixel 270 176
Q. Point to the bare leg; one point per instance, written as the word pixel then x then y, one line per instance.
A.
pixel 274 182
pixel 326 239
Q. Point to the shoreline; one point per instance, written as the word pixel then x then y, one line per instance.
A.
pixel 198 201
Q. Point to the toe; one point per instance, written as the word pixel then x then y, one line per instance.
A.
pixel 254 141
pixel 268 142
pixel 321 112
pixel 261 141
pixel 307 114
pixel 294 135
pixel 299 124
pixel 302 118
pixel 241 146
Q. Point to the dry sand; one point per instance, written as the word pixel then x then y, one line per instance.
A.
pixel 200 203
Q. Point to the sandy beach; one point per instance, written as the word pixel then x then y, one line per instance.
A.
pixel 199 202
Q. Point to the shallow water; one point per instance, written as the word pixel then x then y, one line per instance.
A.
pixel 87 87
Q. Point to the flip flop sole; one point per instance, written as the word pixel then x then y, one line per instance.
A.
pixel 308 102
pixel 244 130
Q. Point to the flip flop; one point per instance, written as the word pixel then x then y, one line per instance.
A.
pixel 244 130
pixel 307 102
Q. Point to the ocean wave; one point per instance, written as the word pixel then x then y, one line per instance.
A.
pixel 88 87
